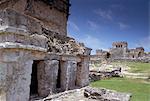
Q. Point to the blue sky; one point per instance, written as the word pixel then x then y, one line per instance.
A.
pixel 98 23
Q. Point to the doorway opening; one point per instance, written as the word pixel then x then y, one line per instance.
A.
pixel 108 55
pixel 58 85
pixel 139 54
pixel 78 74
pixel 34 80
pixel 133 56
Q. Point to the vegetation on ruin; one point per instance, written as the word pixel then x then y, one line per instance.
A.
pixel 139 88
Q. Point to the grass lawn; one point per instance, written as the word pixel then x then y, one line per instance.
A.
pixel 136 67
pixel 140 90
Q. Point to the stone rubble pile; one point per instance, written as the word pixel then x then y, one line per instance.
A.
pixel 105 94
pixel 63 45
pixel 98 75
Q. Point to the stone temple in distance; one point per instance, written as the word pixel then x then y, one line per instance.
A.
pixel 120 51
pixel 36 55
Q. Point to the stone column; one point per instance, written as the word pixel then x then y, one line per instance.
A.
pixel 64 75
pixel 47 77
pixel 68 74
pixel 15 75
pixel 72 74
pixel 83 72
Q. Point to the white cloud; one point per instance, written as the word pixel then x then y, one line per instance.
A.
pixel 105 14
pixel 92 42
pixel 92 25
pixel 123 26
pixel 73 25
pixel 145 43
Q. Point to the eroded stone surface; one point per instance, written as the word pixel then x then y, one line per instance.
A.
pixel 88 94
pixel 83 72
pixel 35 50
pixel 47 76
pixel 105 94
pixel 15 78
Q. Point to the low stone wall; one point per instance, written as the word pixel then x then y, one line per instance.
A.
pixel 98 75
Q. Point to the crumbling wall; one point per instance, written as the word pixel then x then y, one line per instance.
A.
pixel 46 15
pixel 15 73
pixel 36 31
pixel 120 51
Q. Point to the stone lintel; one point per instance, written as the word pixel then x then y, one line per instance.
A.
pixel 13 29
pixel 70 58
pixel 10 45
pixel 11 52
pixel 52 56
pixel 24 38
pixel 2 32
pixel 84 57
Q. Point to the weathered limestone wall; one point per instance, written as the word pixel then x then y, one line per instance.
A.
pixel 12 21
pixel 15 74
pixel 118 52
pixel 68 74
pixel 72 69
pixel 83 72
pixel 15 70
pixel 40 11
pixel 33 33
pixel 47 72
pixel 51 22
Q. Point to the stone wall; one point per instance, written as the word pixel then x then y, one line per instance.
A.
pixel 47 72
pixel 83 72
pixel 16 68
pixel 120 51
pixel 35 50
pixel 15 72
pixel 40 11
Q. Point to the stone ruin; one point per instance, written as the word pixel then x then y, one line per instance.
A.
pixel 37 56
pixel 101 94
pixel 120 51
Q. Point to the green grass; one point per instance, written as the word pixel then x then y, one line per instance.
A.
pixel 140 90
pixel 136 67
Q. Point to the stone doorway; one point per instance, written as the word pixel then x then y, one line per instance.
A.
pixel 34 79
pixel 108 55
pixel 58 84
pixel 139 54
